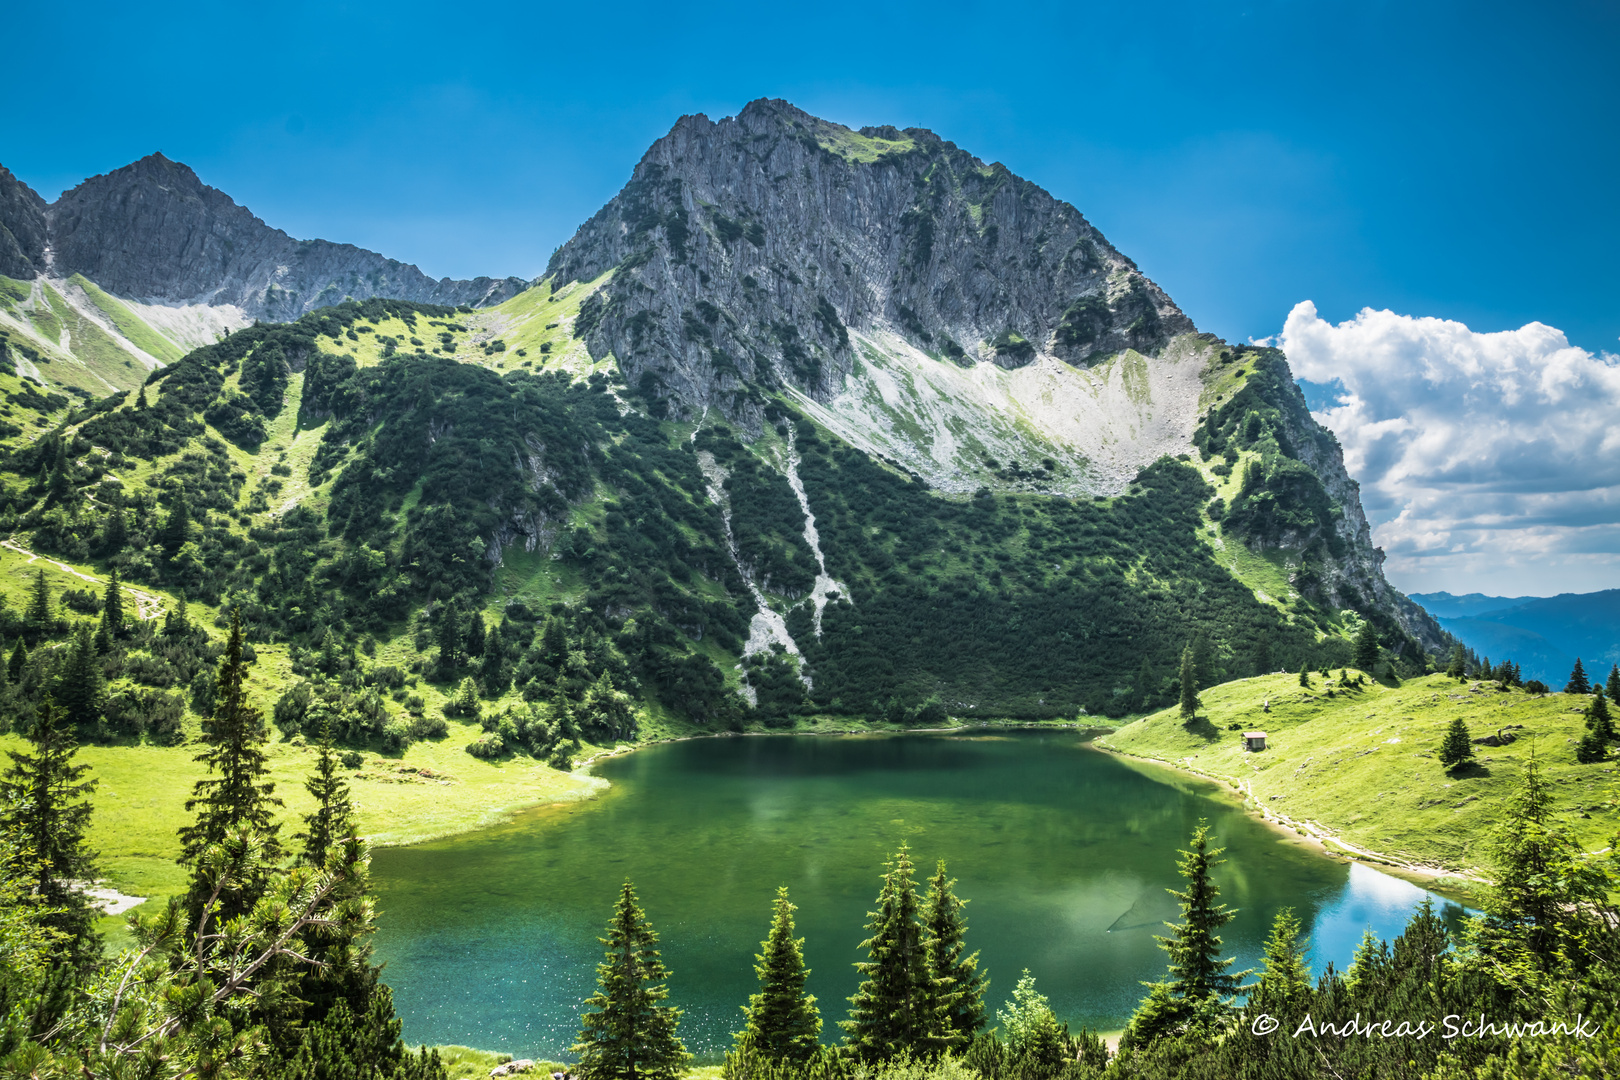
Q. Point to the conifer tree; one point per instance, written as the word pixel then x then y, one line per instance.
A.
pixel 44 805
pixel 1366 647
pixel 1458 667
pixel 1285 981
pixel 963 984
pixel 493 668
pixel 1578 683
pixel 112 606
pixel 1613 686
pixel 895 1009
pixel 177 621
pixel 18 662
pixel 625 1034
pixel 1189 685
pixel 235 794
pixel 783 1022
pixel 1305 675
pixel 450 639
pixel 103 636
pixel 1591 748
pixel 554 641
pixel 332 820
pixel 80 686
pixel 1456 748
pixel 1598 719
pixel 38 613
pixel 1197 970
pixel 475 634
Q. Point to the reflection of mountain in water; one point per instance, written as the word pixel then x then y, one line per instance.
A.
pixel 1153 908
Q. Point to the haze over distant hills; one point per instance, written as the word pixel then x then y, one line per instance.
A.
pixel 1543 635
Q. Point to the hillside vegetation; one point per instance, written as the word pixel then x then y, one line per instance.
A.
pixel 1362 765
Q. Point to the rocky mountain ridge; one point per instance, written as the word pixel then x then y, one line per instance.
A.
pixel 152 231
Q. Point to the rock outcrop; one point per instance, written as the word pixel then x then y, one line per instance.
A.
pixel 154 232
pixel 22 228
pixel 746 250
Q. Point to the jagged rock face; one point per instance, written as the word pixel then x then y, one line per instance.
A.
pixel 155 232
pixel 22 228
pixel 745 249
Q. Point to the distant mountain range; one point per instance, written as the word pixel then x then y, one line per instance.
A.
pixel 1543 635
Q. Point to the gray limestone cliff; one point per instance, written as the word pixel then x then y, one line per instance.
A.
pixel 154 232
pixel 745 250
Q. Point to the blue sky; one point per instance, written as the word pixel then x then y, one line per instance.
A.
pixel 1446 160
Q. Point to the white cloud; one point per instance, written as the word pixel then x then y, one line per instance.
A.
pixel 1488 462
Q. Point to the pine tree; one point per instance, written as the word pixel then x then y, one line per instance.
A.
pixel 1305 675
pixel 235 793
pixel 1598 718
pixel 177 621
pixel 1591 748
pixel 1285 981
pixel 44 805
pixel 965 985
pixel 1197 971
pixel 783 1022
pixel 172 535
pixel 331 660
pixel 80 686
pixel 1578 683
pixel 1189 685
pixel 554 641
pixel 18 662
pixel 625 1034
pixel 38 613
pixel 103 636
pixel 1614 683
pixel 140 399
pixel 895 1011
pixel 450 639
pixel 493 669
pixel 1366 648
pixel 1458 667
pixel 1457 747
pixel 112 606
pixel 332 820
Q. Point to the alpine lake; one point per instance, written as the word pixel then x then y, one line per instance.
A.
pixel 1064 853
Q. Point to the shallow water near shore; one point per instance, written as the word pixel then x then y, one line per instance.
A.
pixel 1064 853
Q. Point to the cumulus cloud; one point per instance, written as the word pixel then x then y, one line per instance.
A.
pixel 1487 462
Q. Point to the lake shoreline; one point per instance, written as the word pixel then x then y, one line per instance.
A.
pixel 1316 836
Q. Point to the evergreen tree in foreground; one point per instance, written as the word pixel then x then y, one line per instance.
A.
pixel 1365 656
pixel 1598 719
pixel 332 820
pixel 1198 981
pixel 897 1008
pixel 1456 748
pixel 964 985
pixel 80 686
pixel 45 808
pixel 1578 683
pixel 235 793
pixel 625 1034
pixel 783 1022
pixel 1189 684
pixel 1285 981
pixel 38 612
pixel 1613 686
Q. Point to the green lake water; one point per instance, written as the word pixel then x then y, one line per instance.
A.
pixel 1064 853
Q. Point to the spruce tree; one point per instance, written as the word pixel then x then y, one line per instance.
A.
pixel 1456 748
pixel 44 805
pixel 963 984
pixel 1189 685
pixel 1591 748
pixel 1578 683
pixel 1305 675
pixel 112 606
pixel 332 820
pixel 38 612
pixel 80 686
pixel 895 1009
pixel 783 1022
pixel 235 793
pixel 554 641
pixel 1285 981
pixel 493 669
pixel 450 639
pixel 1366 647
pixel 177 621
pixel 1458 667
pixel 1614 683
pixel 1197 971
pixel 1598 719
pixel 103 636
pixel 625 1034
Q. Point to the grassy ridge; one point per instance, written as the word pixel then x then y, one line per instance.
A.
pixel 1362 765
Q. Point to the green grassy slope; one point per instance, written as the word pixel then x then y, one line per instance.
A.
pixel 1361 765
